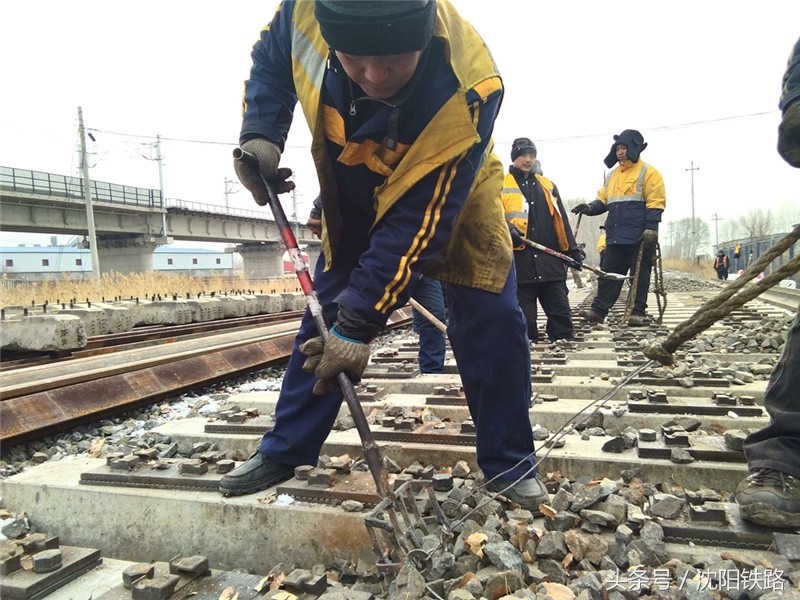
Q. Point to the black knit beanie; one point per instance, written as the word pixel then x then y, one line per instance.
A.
pixel 522 146
pixel 376 27
pixel 632 140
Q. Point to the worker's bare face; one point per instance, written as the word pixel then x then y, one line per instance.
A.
pixel 622 152
pixel 524 162
pixel 381 77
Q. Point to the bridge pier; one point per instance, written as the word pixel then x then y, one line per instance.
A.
pixel 262 259
pixel 126 254
pixel 266 259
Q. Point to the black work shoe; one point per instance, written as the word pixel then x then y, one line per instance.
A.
pixel 528 493
pixel 770 498
pixel 590 315
pixel 257 473
pixel 637 321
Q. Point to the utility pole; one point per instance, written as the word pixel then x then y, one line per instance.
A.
pixel 693 169
pixel 87 190
pixel 159 158
pixel 229 190
pixel 715 218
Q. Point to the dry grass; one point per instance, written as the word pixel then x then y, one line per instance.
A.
pixel 146 285
pixel 703 270
pixel 141 285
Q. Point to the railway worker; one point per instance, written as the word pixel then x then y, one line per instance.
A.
pixel 534 211
pixel 770 495
pixel 401 98
pixel 634 196
pixel 721 265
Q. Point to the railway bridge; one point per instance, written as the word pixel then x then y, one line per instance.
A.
pixel 130 222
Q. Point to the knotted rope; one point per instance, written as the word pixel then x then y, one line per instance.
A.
pixel 729 299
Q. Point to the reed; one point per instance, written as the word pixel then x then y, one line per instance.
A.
pixel 111 286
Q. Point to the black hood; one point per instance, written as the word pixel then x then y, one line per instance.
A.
pixel 632 140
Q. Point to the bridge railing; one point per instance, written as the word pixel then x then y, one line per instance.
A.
pixel 64 186
pixel 188 205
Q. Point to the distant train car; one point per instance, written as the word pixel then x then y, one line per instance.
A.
pixel 742 253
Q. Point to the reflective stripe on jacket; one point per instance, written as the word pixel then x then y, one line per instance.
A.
pixel 516 208
pixel 427 202
pixel 478 253
pixel 635 197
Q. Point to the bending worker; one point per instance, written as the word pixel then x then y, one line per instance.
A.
pixel 401 99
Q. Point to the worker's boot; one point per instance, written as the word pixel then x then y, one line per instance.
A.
pixel 637 321
pixel 770 498
pixel 528 493
pixel 590 315
pixel 257 473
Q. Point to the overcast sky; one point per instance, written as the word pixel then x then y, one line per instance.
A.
pixel 699 79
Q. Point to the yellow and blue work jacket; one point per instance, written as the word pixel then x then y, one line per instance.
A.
pixel 414 174
pixel 635 197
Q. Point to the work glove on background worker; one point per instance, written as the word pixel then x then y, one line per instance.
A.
pixel 576 254
pixel 649 238
pixel 582 209
pixel 516 236
pixel 314 223
pixel 268 156
pixel 789 135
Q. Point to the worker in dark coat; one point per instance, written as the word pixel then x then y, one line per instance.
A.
pixel 535 212
pixel 721 265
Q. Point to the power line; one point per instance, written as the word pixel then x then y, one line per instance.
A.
pixel 555 139
pixel 659 128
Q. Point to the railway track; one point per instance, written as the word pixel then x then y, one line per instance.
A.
pixel 141 512
pixel 120 372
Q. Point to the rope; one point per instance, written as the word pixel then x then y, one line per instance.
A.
pixel 658 284
pixel 634 285
pixel 729 299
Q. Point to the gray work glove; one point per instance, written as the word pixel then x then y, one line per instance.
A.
pixel 338 355
pixel 268 156
pixel 582 209
pixel 649 238
pixel 789 135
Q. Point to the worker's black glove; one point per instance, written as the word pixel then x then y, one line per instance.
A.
pixel 649 238
pixel 789 135
pixel 338 355
pixel 582 209
pixel 516 237
pixel 314 223
pixel 268 156
pixel 576 254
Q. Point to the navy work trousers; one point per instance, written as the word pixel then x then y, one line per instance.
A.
pixel 432 345
pixel 621 259
pixel 489 341
pixel 777 446
pixel 554 298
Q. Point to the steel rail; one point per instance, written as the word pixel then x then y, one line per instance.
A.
pixel 46 399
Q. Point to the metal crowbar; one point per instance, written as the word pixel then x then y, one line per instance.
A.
pixel 577 265
pixel 398 542
pixel 372 453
